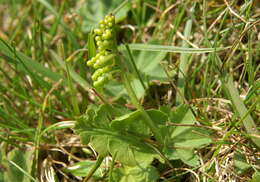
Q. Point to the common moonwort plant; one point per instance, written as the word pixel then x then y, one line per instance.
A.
pixel 104 65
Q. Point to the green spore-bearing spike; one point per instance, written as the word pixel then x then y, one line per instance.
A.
pixel 104 61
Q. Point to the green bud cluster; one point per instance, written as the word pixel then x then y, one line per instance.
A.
pixel 104 60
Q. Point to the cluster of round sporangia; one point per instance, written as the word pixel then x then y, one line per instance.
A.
pixel 104 33
pixel 104 61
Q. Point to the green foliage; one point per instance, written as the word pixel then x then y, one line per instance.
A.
pixel 240 163
pixel 26 64
pixel 149 68
pixel 91 45
pixel 125 136
pixel 14 174
pixel 91 16
pixel 183 140
pixel 122 137
pixel 184 95
pixel 136 174
pixel 82 168
pixel 17 165
pixel 255 177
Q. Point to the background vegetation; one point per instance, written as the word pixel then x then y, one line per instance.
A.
pixel 195 69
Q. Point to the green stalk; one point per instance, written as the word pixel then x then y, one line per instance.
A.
pixel 72 89
pixel 134 66
pixel 37 144
pixel 137 73
pixel 110 177
pixel 147 119
pixel 94 168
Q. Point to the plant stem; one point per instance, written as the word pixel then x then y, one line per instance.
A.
pixel 147 119
pixel 37 144
pixel 72 89
pixel 134 66
pixel 94 168
pixel 149 122
pixel 110 177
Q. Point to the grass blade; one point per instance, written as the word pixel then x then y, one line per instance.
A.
pixel 6 52
pixel 165 48
pixel 22 170
pixel 184 63
pixel 238 104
